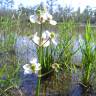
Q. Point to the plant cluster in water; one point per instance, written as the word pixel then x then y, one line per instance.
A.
pixel 54 54
pixel 45 41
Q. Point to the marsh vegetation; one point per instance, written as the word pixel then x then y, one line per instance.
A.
pixel 47 55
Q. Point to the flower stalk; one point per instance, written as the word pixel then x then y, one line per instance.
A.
pixel 44 52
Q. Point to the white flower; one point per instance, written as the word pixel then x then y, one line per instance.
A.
pixel 52 22
pixel 42 18
pixel 36 19
pixel 48 17
pixel 44 41
pixel 33 67
pixel 46 34
pixel 27 69
pixel 45 16
pixel 50 36
pixel 46 38
pixel 33 19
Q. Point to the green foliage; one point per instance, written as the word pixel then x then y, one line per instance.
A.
pixel 7 43
pixel 88 55
pixel 9 78
pixel 46 59
pixel 64 48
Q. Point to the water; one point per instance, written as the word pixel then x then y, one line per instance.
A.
pixel 25 49
pixel 76 91
pixel 77 57
pixel 28 84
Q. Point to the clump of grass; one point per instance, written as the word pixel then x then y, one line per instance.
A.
pixel 64 49
pixel 88 55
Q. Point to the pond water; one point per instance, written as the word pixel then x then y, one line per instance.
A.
pixel 56 85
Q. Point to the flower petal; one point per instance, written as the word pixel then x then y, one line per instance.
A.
pixel 46 34
pixel 32 18
pixel 46 43
pixel 27 69
pixel 36 39
pixel 38 22
pixel 43 16
pixel 52 22
pixel 38 66
pixel 27 72
pixel 33 61
pixel 54 42
pixel 26 66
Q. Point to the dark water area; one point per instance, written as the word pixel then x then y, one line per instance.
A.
pixel 28 84
pixel 76 91
pixel 56 85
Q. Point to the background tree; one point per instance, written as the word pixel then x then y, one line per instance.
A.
pixel 50 5
pixel 6 4
pixel 87 14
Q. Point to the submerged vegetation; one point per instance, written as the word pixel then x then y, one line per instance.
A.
pixel 52 43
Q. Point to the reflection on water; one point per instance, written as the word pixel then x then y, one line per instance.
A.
pixel 28 84
pixel 77 57
pixel 56 85
pixel 25 49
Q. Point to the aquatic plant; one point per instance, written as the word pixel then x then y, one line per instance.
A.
pixel 63 51
pixel 44 42
pixel 88 55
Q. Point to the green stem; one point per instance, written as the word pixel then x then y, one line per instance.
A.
pixel 45 73
pixel 38 86
pixel 41 33
pixel 40 60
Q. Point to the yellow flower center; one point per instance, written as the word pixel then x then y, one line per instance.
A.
pixel 52 35
pixel 33 67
